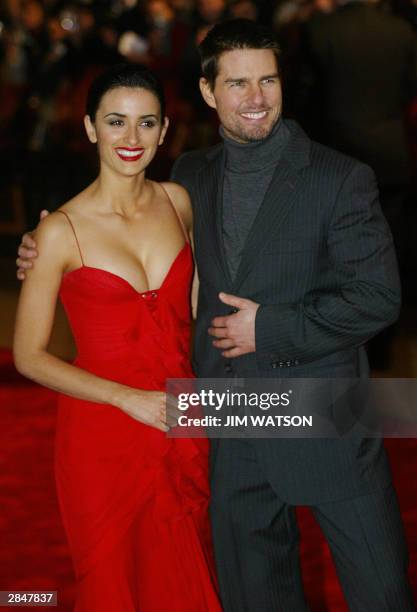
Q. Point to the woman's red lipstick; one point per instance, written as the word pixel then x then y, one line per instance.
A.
pixel 129 154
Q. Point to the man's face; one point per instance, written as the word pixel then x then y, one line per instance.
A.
pixel 247 93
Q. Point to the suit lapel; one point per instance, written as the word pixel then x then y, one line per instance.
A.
pixel 209 192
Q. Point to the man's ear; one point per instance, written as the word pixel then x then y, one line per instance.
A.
pixel 90 129
pixel 207 93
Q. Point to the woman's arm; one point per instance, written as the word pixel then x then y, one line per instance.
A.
pixel 35 316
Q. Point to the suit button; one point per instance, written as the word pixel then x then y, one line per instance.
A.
pixel 288 363
pixel 228 368
pixel 281 364
pixel 296 362
pixel 274 364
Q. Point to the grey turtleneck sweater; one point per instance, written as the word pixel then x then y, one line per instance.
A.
pixel 248 172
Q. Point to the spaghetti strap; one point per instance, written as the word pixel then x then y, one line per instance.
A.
pixel 73 231
pixel 181 222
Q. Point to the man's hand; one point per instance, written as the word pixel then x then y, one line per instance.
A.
pixel 235 333
pixel 27 252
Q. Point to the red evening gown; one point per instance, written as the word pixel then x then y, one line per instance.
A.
pixel 134 502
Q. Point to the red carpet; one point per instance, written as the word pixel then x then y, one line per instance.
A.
pixel 33 551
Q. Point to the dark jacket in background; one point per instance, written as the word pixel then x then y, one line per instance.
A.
pixel 364 62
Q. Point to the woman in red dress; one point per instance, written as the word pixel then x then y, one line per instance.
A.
pixel 134 502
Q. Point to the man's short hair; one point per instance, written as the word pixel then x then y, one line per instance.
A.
pixel 232 35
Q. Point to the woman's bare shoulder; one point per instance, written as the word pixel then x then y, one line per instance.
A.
pixel 54 232
pixel 52 228
pixel 181 201
pixel 53 242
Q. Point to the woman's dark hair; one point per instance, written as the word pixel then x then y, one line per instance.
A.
pixel 123 75
pixel 232 35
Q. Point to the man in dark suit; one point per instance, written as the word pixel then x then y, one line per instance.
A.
pixel 297 271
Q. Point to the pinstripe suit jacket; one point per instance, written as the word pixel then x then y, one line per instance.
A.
pixel 320 261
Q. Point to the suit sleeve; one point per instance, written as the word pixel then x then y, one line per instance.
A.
pixel 177 171
pixel 366 294
pixel 184 170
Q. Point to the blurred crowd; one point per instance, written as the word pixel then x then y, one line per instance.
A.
pixel 349 73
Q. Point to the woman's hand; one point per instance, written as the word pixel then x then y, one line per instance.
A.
pixel 148 407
